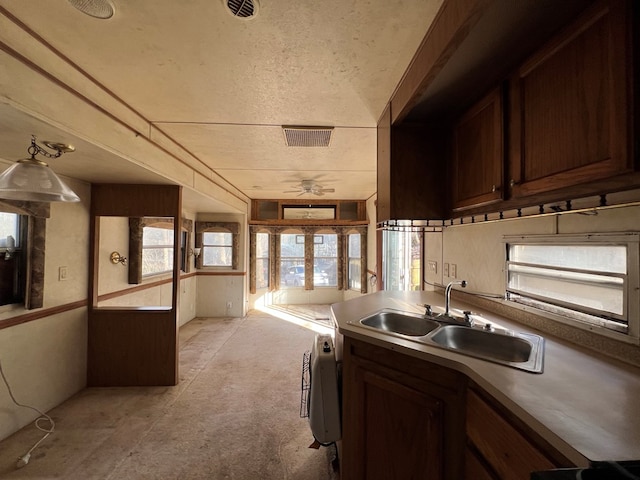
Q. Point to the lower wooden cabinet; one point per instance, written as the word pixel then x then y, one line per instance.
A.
pixel 500 450
pixel 403 418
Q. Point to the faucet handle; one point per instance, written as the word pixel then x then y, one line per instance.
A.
pixel 428 310
pixel 467 317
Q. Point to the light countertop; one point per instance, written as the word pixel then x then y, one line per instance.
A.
pixel 585 405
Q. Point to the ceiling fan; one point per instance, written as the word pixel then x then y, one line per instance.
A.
pixel 310 186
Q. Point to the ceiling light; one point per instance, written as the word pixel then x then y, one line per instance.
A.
pixel 31 179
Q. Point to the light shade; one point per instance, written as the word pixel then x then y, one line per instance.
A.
pixel 32 180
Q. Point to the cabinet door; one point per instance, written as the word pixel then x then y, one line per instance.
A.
pixel 478 154
pixel 474 467
pixel 392 431
pixel 411 172
pixel 570 106
pixel 505 448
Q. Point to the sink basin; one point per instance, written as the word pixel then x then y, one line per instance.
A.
pixel 520 350
pixel 404 323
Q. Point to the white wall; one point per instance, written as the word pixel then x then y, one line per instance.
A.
pixel 478 250
pixel 45 360
pixel 223 286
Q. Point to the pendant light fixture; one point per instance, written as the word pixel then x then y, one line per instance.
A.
pixel 31 179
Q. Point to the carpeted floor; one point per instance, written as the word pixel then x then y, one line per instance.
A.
pixel 234 415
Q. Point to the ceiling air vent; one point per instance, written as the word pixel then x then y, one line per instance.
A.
pixel 242 8
pixel 102 9
pixel 307 136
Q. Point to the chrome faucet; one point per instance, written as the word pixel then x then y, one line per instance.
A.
pixel 447 294
pixel 446 316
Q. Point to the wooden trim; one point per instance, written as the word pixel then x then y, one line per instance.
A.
pixel 221 274
pixel 452 24
pixel 46 312
pixel 129 291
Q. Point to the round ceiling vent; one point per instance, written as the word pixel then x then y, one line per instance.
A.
pixel 245 9
pixel 96 8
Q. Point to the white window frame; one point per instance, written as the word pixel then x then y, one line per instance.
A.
pixel 214 247
pixel 145 247
pixel 631 291
pixel 316 257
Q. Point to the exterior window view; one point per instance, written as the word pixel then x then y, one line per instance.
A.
pixel 320 240
pixel 157 250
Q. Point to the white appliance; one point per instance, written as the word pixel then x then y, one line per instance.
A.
pixel 324 398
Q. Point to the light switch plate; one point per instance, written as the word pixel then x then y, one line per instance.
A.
pixel 445 269
pixel 453 270
pixel 432 266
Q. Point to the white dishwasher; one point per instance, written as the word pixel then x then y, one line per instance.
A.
pixel 320 390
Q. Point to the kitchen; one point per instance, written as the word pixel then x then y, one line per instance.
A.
pixel 480 262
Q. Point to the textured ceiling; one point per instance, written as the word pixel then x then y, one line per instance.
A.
pixel 221 87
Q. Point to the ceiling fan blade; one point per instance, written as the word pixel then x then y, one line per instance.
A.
pixel 327 190
pixel 291 191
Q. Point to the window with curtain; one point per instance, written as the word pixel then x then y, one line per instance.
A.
pixel 262 260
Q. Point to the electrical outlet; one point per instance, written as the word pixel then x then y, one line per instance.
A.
pixel 445 269
pixel 62 273
pixel 229 305
pixel 453 270
pixel 432 266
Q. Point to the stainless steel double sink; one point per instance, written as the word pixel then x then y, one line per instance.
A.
pixel 519 350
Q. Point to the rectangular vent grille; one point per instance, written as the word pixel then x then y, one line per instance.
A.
pixel 307 136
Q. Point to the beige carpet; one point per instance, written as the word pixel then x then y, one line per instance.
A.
pixel 234 415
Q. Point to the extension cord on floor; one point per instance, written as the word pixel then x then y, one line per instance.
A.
pixel 22 461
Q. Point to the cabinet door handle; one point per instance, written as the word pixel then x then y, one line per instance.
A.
pixel 513 183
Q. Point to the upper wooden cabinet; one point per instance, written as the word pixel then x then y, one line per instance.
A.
pixel 411 171
pixel 478 154
pixel 571 104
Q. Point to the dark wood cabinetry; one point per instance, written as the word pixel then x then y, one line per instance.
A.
pixel 411 171
pixel 570 105
pixel 305 212
pixel 478 154
pixel 558 126
pixel 402 417
pixel 499 449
